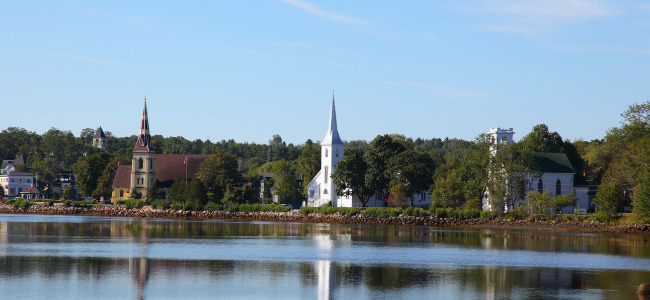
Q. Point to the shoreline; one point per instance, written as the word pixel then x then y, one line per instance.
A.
pixel 295 216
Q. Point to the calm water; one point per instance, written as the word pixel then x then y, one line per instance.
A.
pixel 70 257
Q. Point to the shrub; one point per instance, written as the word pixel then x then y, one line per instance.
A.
pixel 474 204
pixel 21 204
pixel 67 203
pixel 212 207
pixel 176 206
pixel 517 214
pixel 488 215
pixel 381 212
pixel 412 211
pixel 50 202
pixel 161 203
pixel 133 203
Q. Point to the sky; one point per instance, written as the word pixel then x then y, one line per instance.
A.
pixel 246 70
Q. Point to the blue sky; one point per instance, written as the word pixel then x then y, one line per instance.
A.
pixel 246 70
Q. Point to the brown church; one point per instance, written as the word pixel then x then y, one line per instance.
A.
pixel 148 168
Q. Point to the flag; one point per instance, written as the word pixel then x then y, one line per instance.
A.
pixel 185 161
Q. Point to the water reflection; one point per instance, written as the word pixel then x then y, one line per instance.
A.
pixel 85 257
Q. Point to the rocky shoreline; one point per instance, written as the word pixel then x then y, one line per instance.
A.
pixel 295 216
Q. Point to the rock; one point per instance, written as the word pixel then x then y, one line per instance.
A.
pixel 643 290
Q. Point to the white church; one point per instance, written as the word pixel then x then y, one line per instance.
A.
pixel 322 190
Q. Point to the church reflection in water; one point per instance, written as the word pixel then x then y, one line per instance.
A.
pixel 140 266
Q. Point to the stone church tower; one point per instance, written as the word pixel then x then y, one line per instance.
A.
pixel 143 165
pixel 100 140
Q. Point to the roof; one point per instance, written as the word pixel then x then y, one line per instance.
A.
pixel 15 162
pixel 332 136
pixel 30 190
pixel 122 176
pixel 554 163
pixel 169 167
pixel 99 134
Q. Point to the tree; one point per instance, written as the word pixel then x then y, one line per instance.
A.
pixel 380 151
pixel 70 193
pixel 350 176
pixel 561 201
pixel 510 175
pixel 177 190
pixel 2 191
pixel 105 181
pixel 448 191
pixel 610 200
pixel 219 171
pixel 412 169
pixel 642 200
pixel 89 169
pixel 285 186
pixel 195 194
pixel 538 203
pixel 398 195
pixel 309 164
pixel 541 140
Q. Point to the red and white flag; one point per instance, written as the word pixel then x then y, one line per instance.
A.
pixel 185 161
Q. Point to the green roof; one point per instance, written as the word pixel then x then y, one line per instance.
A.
pixel 554 163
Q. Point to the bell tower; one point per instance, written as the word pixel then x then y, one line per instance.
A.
pixel 331 152
pixel 143 165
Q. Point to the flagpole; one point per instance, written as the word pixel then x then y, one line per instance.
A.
pixel 185 170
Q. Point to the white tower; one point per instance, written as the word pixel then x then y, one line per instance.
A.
pixel 499 136
pixel 321 189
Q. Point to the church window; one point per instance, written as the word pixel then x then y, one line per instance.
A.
pixel 140 163
pixel 504 140
pixel 337 152
pixel 540 186
pixel 558 187
pixel 121 193
pixel 325 152
pixel 325 192
pixel 326 174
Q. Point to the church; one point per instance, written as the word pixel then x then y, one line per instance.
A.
pixel 322 191
pixel 148 168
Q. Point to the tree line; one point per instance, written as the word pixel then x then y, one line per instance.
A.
pixel 456 172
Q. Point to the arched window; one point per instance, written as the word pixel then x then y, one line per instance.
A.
pixel 326 175
pixel 325 192
pixel 337 152
pixel 540 186
pixel 140 163
pixel 325 152
pixel 558 187
pixel 504 140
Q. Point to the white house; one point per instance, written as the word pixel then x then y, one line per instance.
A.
pixel 557 175
pixel 322 190
pixel 16 182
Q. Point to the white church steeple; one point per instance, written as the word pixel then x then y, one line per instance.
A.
pixel 332 136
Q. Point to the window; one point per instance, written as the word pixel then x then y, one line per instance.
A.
pixel 337 152
pixel 29 180
pixel 121 193
pixel 504 140
pixel 326 175
pixel 140 163
pixel 325 152
pixel 540 186
pixel 325 192
pixel 558 187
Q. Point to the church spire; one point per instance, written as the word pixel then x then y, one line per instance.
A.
pixel 332 136
pixel 144 138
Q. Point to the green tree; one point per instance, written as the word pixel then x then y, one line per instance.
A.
pixel 350 176
pixel 539 203
pixel 219 171
pixel 177 191
pixel 541 140
pixel 642 200
pixel 309 163
pixel 195 194
pixel 380 151
pixel 2 191
pixel 610 200
pixel 105 181
pixel 412 169
pixel 510 175
pixel 89 169
pixel 285 185
pixel 561 201
pixel 448 191
pixel 70 193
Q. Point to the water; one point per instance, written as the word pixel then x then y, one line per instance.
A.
pixel 73 257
